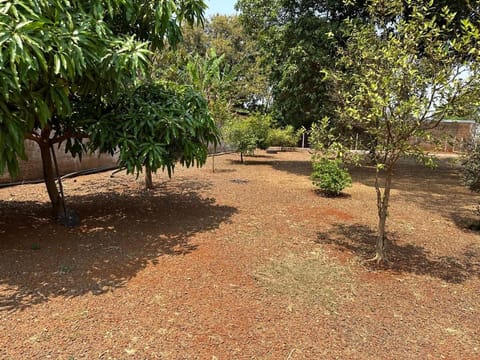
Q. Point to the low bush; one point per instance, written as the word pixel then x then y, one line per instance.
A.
pixel 282 137
pixel 330 176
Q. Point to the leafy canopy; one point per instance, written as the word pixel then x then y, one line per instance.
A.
pixel 239 77
pixel 298 39
pixel 172 121
pixel 330 176
pixel 246 134
pixel 57 54
pixel 397 79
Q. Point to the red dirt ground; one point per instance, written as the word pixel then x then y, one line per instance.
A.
pixel 212 266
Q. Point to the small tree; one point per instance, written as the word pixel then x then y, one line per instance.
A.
pixel 241 136
pixel 246 134
pixel 397 80
pixel 171 123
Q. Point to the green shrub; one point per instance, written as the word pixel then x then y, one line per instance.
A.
pixel 282 137
pixel 245 134
pixel 471 170
pixel 260 126
pixel 330 176
pixel 471 179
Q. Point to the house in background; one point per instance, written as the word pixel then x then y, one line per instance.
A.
pixel 455 136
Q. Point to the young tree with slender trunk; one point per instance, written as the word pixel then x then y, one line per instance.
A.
pixel 397 80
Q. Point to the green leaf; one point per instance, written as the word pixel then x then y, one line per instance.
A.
pixel 57 64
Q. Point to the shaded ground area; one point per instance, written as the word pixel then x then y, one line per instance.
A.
pixel 248 262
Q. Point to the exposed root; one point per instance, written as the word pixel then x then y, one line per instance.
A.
pixel 378 259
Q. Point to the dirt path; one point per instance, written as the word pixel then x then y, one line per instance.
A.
pixel 244 263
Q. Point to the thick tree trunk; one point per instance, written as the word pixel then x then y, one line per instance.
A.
pixel 382 205
pixel 148 179
pixel 57 201
pixel 60 211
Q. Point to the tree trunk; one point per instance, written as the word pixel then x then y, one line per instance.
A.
pixel 148 179
pixel 380 253
pixel 241 157
pixel 382 205
pixel 57 201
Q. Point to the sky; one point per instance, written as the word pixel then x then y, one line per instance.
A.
pixel 222 7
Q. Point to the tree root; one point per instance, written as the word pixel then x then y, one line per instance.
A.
pixel 378 259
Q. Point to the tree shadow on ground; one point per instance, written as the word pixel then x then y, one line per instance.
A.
pixel 249 161
pixel 404 258
pixel 224 171
pixel 299 168
pixel 322 194
pixel 120 234
pixel 252 159
pixel 438 190
pixel 411 176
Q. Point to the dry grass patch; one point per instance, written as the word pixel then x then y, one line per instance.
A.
pixel 313 279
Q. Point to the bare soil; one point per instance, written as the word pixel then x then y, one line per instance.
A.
pixel 247 262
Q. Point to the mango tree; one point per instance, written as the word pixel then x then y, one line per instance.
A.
pixel 60 58
pixel 172 125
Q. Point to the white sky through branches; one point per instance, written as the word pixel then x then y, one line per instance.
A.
pixel 223 7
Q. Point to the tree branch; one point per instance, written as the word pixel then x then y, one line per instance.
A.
pixel 67 135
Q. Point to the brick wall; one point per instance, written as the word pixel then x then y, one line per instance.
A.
pixel 455 136
pixel 32 169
